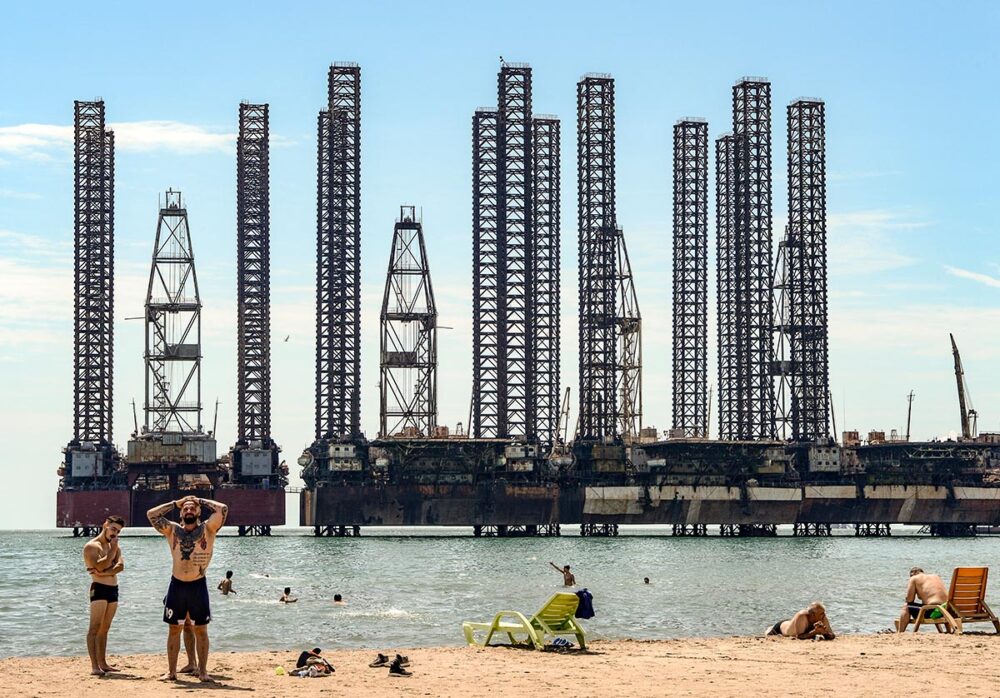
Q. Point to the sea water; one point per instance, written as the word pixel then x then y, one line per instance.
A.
pixel 414 587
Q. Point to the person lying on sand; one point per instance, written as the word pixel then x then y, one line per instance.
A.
pixel 805 625
pixel 928 588
pixel 568 578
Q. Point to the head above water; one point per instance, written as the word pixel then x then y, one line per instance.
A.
pixel 190 510
pixel 112 528
pixel 229 574
pixel 915 571
pixel 288 590
pixel 565 568
pixel 645 580
pixel 337 598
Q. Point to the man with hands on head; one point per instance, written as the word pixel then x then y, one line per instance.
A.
pixel 191 542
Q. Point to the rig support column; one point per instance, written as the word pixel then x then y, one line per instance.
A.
pixel 726 280
pixel 338 438
pixel 690 282
pixel 487 280
pixel 545 191
pixel 91 458
pixel 752 208
pixel 629 321
pixel 597 234
pixel 806 251
pixel 255 455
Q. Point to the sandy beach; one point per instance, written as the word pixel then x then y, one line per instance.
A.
pixel 859 665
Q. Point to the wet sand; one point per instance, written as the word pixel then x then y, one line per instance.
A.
pixel 926 664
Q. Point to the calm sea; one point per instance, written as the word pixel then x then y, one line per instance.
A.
pixel 414 587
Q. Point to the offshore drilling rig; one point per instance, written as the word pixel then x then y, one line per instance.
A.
pixel 518 469
pixel 172 453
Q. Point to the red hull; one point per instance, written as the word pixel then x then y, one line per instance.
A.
pixel 92 507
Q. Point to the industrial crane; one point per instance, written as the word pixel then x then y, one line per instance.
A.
pixel 967 413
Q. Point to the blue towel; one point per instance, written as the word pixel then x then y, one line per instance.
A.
pixel 586 607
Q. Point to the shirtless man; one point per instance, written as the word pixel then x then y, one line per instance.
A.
pixel 805 625
pixel 928 588
pixel 103 560
pixel 568 578
pixel 191 544
pixel 226 585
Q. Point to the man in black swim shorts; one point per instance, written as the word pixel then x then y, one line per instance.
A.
pixel 103 559
pixel 191 545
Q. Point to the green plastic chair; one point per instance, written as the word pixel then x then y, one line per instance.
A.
pixel 555 618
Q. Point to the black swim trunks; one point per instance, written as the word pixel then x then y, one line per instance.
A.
pixel 186 599
pixel 776 628
pixel 103 592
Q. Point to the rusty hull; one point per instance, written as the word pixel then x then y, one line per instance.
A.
pixel 430 505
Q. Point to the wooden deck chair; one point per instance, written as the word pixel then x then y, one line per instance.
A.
pixel 555 618
pixel 966 601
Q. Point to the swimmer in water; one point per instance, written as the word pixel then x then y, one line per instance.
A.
pixel 226 585
pixel 287 596
pixel 568 578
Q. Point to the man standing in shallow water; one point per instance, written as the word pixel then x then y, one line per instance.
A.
pixel 103 560
pixel 191 545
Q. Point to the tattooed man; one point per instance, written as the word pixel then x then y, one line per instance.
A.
pixel 191 544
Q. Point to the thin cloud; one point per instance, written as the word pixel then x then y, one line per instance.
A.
pixel 42 141
pixel 12 194
pixel 984 279
pixel 869 242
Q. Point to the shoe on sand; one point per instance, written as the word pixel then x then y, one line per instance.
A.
pixel 396 669
pixel 380 661
pixel 403 661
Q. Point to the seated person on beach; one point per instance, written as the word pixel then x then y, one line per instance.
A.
pixel 338 600
pixel 311 657
pixel 805 625
pixel 226 585
pixel 568 578
pixel 287 596
pixel 928 588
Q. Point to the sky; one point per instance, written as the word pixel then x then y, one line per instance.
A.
pixel 912 153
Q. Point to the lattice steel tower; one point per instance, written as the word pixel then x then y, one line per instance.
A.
pixel 173 327
pixel 806 250
pixel 515 180
pixel 255 455
pixel 595 98
pixel 690 281
pixel 90 454
pixel 408 380
pixel 726 290
pixel 752 219
pixel 545 192
pixel 338 258
pixel 486 275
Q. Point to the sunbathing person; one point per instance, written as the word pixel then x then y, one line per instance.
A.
pixel 928 588
pixel 805 625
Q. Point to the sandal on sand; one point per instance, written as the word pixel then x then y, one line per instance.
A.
pixel 380 661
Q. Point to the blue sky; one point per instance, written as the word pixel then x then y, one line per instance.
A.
pixel 912 155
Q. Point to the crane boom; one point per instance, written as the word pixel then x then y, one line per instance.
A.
pixel 960 382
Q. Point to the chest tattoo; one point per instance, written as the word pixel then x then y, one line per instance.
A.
pixel 188 540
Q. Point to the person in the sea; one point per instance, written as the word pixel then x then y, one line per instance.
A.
pixel 645 580
pixel 192 543
pixel 568 578
pixel 287 596
pixel 338 600
pixel 103 559
pixel 226 585
pixel 808 623
pixel 930 591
